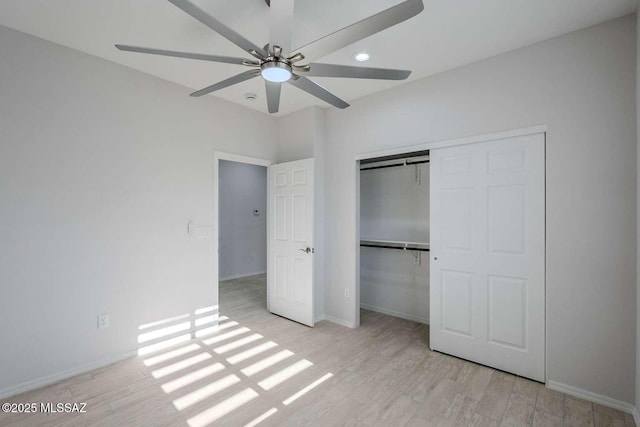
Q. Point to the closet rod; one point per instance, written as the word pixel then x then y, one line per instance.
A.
pixel 395 165
pixel 395 247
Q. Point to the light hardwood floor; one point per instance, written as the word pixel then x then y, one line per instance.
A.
pixel 260 369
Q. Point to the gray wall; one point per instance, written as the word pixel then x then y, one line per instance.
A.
pixel 637 401
pixel 243 236
pixel 101 169
pixel 581 85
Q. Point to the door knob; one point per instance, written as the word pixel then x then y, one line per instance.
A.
pixel 307 250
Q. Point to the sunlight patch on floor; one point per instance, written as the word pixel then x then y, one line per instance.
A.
pixel 307 389
pixel 267 362
pixel 178 366
pixel 205 392
pixel 261 418
pixel 171 354
pixel 284 374
pixel 221 409
pixel 192 377
pixel 163 344
pixel 248 354
pixel 222 337
pixel 216 328
pixel 193 382
pixel 238 343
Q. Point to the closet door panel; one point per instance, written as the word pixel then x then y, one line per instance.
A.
pixel 487 220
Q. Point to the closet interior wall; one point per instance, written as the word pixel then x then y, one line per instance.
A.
pixel 394 207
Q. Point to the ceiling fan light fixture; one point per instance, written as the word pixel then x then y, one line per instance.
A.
pixel 276 71
pixel 361 56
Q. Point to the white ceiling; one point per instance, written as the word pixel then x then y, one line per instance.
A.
pixel 447 34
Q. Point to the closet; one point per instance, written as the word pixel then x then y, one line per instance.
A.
pixel 455 237
pixel 394 235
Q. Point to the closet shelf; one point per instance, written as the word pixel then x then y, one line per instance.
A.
pixel 395 244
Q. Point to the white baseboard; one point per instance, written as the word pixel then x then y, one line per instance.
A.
pixel 595 398
pixel 395 313
pixel 319 318
pixel 338 321
pixel 239 276
pixel 63 375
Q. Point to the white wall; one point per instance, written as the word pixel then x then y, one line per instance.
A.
pixel 297 135
pixel 391 282
pixel 394 205
pixel 580 85
pixel 101 169
pixel 243 235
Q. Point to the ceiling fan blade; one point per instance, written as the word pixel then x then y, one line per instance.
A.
pixel 361 29
pixel 200 56
pixel 238 78
pixel 281 23
pixel 345 71
pixel 273 95
pixel 318 91
pixel 216 25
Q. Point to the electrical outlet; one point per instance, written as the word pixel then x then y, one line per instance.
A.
pixel 346 292
pixel 103 321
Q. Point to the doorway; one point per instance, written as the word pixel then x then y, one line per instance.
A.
pixel 240 228
pixel 243 225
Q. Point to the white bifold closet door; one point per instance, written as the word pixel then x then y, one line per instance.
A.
pixel 487 294
pixel 290 265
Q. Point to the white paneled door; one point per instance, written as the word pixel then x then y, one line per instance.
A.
pixel 290 269
pixel 487 295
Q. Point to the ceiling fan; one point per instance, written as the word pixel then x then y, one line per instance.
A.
pixel 278 63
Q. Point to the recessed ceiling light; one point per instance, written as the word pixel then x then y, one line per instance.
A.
pixel 250 96
pixel 361 56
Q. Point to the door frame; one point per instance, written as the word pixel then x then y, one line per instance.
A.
pixel 429 146
pixel 217 156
